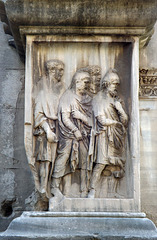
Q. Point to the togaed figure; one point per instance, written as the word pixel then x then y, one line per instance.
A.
pixel 74 115
pixel 110 123
pixel 46 99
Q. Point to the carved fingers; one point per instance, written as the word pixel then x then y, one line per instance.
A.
pixel 101 119
pixel 78 135
pixel 51 136
pixel 76 114
pixel 118 106
pixel 117 123
pixel 84 133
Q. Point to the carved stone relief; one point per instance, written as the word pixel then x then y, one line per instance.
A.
pixel 148 83
pixel 75 155
pixel 47 93
pixel 79 132
pixel 110 122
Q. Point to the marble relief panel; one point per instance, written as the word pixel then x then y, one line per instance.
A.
pixel 80 120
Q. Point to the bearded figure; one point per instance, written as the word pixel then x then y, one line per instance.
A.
pixel 74 115
pixel 110 123
pixel 47 93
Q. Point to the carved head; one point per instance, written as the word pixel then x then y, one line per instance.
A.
pixel 111 81
pixel 95 77
pixel 80 82
pixel 54 69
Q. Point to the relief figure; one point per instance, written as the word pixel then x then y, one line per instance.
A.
pixel 74 117
pixel 95 77
pixel 93 87
pixel 110 123
pixel 47 93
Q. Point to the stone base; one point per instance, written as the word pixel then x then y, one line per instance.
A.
pixel 83 225
pixel 92 205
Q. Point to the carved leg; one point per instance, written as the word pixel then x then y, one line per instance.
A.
pixel 83 183
pixel 67 185
pixel 95 177
pixel 47 171
pixel 55 187
pixel 35 176
pixel 83 166
pixel 43 177
pixel 60 167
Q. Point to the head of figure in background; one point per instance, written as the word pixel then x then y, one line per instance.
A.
pixel 95 77
pixel 54 70
pixel 80 82
pixel 110 82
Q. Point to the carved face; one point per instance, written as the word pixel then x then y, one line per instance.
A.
pixel 113 87
pixel 82 82
pixel 114 82
pixel 56 72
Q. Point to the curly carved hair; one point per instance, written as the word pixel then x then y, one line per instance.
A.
pixel 107 79
pixel 53 63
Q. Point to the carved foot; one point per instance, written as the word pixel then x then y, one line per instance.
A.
pixel 57 193
pixel 84 194
pixel 57 198
pixel 91 194
pixel 44 196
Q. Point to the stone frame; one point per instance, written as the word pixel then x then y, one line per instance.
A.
pixel 131 204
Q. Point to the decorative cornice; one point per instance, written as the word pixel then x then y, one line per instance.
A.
pixel 148 83
pixel 118 17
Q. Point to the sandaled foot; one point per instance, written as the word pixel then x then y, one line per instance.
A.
pixel 91 194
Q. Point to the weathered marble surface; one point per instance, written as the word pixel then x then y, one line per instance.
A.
pixel 148 57
pixel 117 14
pixel 13 163
pixel 148 136
pixel 81 226
pixel 9 61
pixel 148 132
pixel 106 52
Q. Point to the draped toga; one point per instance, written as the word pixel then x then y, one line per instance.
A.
pixel 72 153
pixel 109 140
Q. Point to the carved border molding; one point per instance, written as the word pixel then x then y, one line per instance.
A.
pixel 148 83
pixel 103 14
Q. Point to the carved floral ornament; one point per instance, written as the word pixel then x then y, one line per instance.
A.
pixel 148 83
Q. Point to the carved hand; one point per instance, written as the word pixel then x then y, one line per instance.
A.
pixel 106 121
pixel 84 133
pixel 76 114
pixel 123 115
pixel 117 123
pixel 51 136
pixel 118 106
pixel 78 135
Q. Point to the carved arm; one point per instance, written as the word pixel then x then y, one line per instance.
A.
pixel 68 123
pixel 78 115
pixel 51 136
pixel 123 115
pixel 42 122
pixel 106 121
